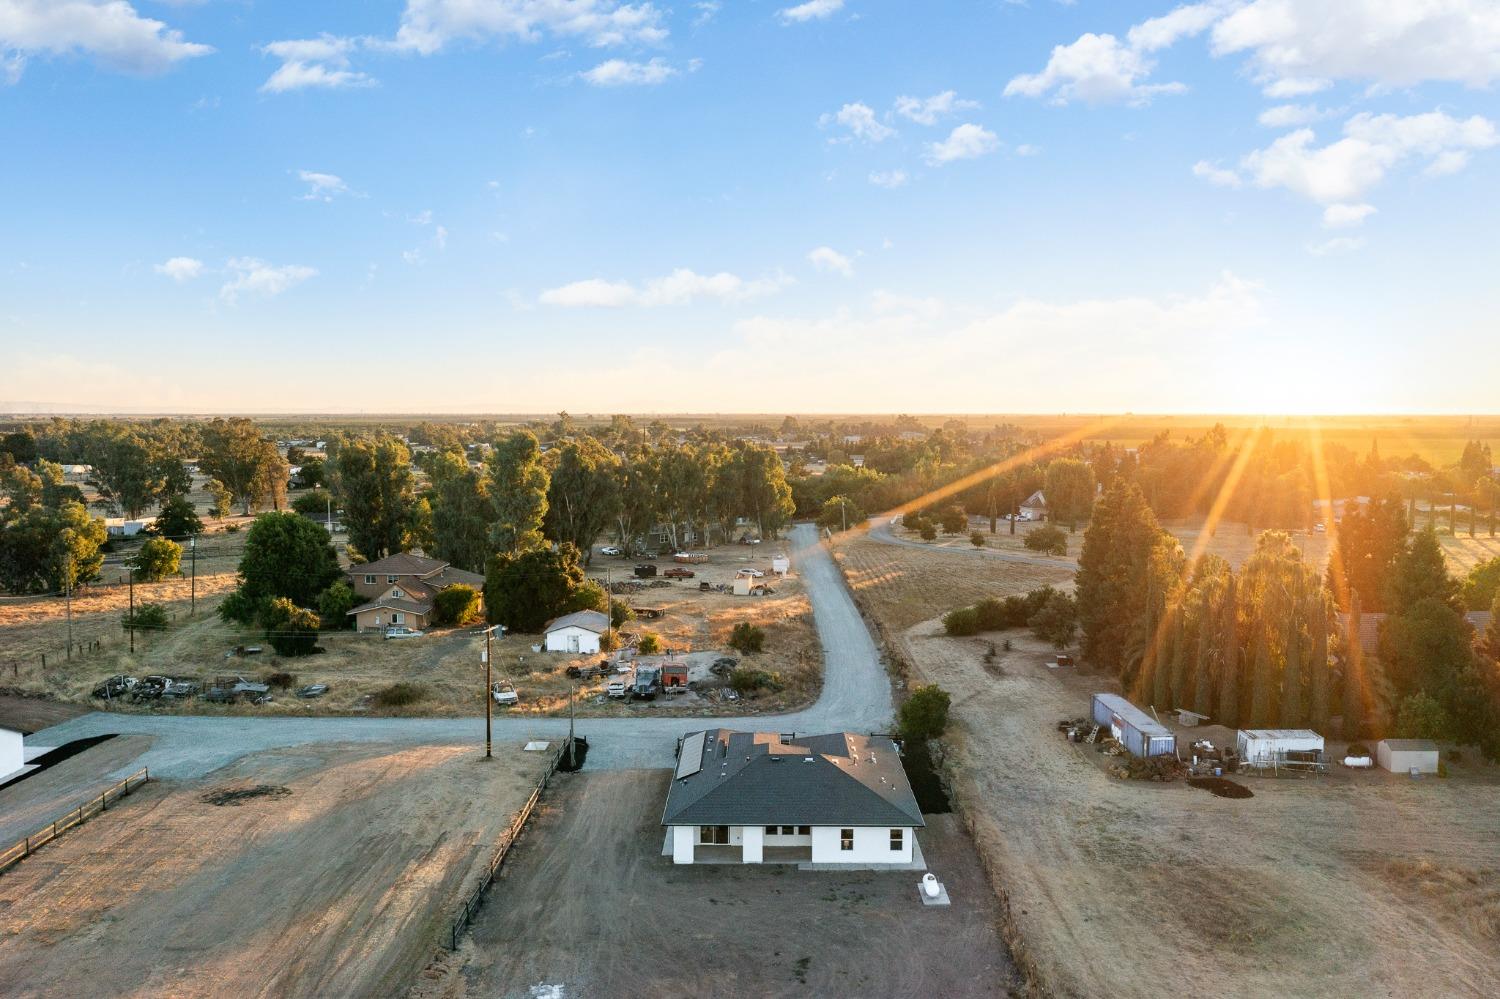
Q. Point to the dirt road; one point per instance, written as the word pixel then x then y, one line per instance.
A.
pixel 338 888
pixel 856 696
pixel 588 907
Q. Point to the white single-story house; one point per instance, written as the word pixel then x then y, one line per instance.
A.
pixel 1402 756
pixel 580 631
pixel 767 797
pixel 120 527
pixel 1035 506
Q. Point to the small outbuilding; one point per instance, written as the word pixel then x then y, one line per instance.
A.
pixel 1035 506
pixel 1280 748
pixel 1407 756
pixel 1131 727
pixel 12 753
pixel 577 632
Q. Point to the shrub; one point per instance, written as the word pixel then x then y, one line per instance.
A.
pixel 925 713
pixel 961 622
pixel 747 680
pixel 282 681
pixel 399 695
pixel 619 613
pixel 177 519
pixel 456 604
pixel 929 533
pixel 334 605
pixel 152 616
pixel 316 501
pixel 747 638
pixel 1047 539
pixel 157 559
pixel 954 520
pixel 915 523
pixel 1056 620
pixel 292 630
pixel 649 644
pixel 977 539
pixel 1422 717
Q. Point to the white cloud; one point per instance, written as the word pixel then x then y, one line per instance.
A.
pixel 1373 145
pixel 826 258
pixel 861 122
pixel 910 305
pixel 621 73
pixel 966 142
pixel 321 62
pixel 1338 216
pixel 1183 22
pixel 1216 175
pixel 427 26
pixel 1292 115
pixel 322 186
pixel 1336 245
pixel 110 31
pixel 1027 149
pixel 180 269
pixel 706 9
pixel 927 110
pixel 1292 86
pixel 1449 161
pixel 889 179
pixel 1395 43
pixel 1096 69
pixel 681 287
pixel 256 277
pixel 812 10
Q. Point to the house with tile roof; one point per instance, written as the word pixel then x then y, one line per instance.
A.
pixel 398 590
pixel 841 800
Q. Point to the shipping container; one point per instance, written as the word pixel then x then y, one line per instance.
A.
pixel 1137 731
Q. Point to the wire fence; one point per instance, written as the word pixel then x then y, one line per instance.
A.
pixel 497 859
pixel 24 848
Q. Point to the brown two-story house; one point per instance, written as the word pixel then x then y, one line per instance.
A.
pixel 398 590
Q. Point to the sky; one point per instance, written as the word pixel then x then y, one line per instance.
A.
pixel 1236 206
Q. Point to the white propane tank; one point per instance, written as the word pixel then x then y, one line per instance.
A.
pixel 930 886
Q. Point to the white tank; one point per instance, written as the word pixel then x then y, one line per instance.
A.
pixel 930 886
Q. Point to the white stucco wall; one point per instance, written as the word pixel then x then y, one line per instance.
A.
pixel 753 840
pixel 683 838
pixel 12 752
pixel 558 641
pixel 872 845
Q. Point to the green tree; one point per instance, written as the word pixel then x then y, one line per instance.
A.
pixel 1354 682
pixel 20 445
pixel 1119 550
pixel 649 643
pixel 1366 546
pixel 768 498
pixel 455 604
pixel 1056 621
pixel 1425 648
pixel 286 555
pixel 46 549
pixel 953 520
pixel 929 531
pixel 582 493
pixel 247 464
pixel 1422 717
pixel 223 499
pixel 291 630
pixel 373 480
pixel 1069 490
pixel 1228 679
pixel 518 494
pixel 460 512
pixel 1048 538
pixel 1319 682
pixel 977 539
pixel 314 502
pixel 157 559
pixel 924 715
pixel 1482 584
pixel 840 513
pixel 177 519
pixel 526 589
pixel 1421 572
pixel 334 605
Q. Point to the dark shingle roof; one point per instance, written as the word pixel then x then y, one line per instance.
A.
pixel 400 564
pixel 393 603
pixel 751 778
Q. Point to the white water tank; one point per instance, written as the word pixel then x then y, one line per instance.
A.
pixel 930 886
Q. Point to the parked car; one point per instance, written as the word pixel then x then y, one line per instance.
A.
pixel 399 631
pixel 115 686
pixel 609 550
pixel 504 692
pixel 617 688
pixel 678 572
pixel 312 690
pixel 752 573
pixel 1320 528
pixel 647 682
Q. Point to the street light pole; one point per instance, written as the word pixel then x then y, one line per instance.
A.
pixel 489 696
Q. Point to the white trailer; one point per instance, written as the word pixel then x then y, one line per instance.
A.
pixel 1281 749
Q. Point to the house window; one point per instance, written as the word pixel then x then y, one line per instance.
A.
pixel 370 579
pixel 770 830
pixel 396 618
pixel 397 592
pixel 804 830
pixel 713 835
pixel 897 837
pixel 391 579
pixel 846 839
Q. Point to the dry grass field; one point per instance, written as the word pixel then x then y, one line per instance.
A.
pixel 445 663
pixel 1356 884
pixel 341 886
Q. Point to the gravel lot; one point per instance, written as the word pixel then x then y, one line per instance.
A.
pixel 587 906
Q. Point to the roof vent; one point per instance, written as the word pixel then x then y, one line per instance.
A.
pixel 807 759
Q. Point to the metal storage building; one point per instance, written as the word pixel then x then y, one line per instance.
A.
pixel 1402 756
pixel 1278 747
pixel 1132 727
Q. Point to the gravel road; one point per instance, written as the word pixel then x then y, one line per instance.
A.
pixel 856 696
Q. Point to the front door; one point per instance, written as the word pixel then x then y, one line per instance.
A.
pixel 572 643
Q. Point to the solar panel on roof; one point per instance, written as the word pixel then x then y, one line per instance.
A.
pixel 690 760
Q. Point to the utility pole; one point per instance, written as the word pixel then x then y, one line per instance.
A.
pixel 572 711
pixel 489 697
pixel 68 599
pixel 131 572
pixel 193 547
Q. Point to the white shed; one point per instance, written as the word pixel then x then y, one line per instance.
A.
pixel 1271 747
pixel 12 753
pixel 577 632
pixel 1404 756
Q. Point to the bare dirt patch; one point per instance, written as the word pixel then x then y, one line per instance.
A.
pixel 341 888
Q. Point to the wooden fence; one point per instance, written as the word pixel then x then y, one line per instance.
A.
pixel 497 859
pixel 24 848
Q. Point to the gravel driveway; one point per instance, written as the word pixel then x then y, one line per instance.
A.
pixel 856 696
